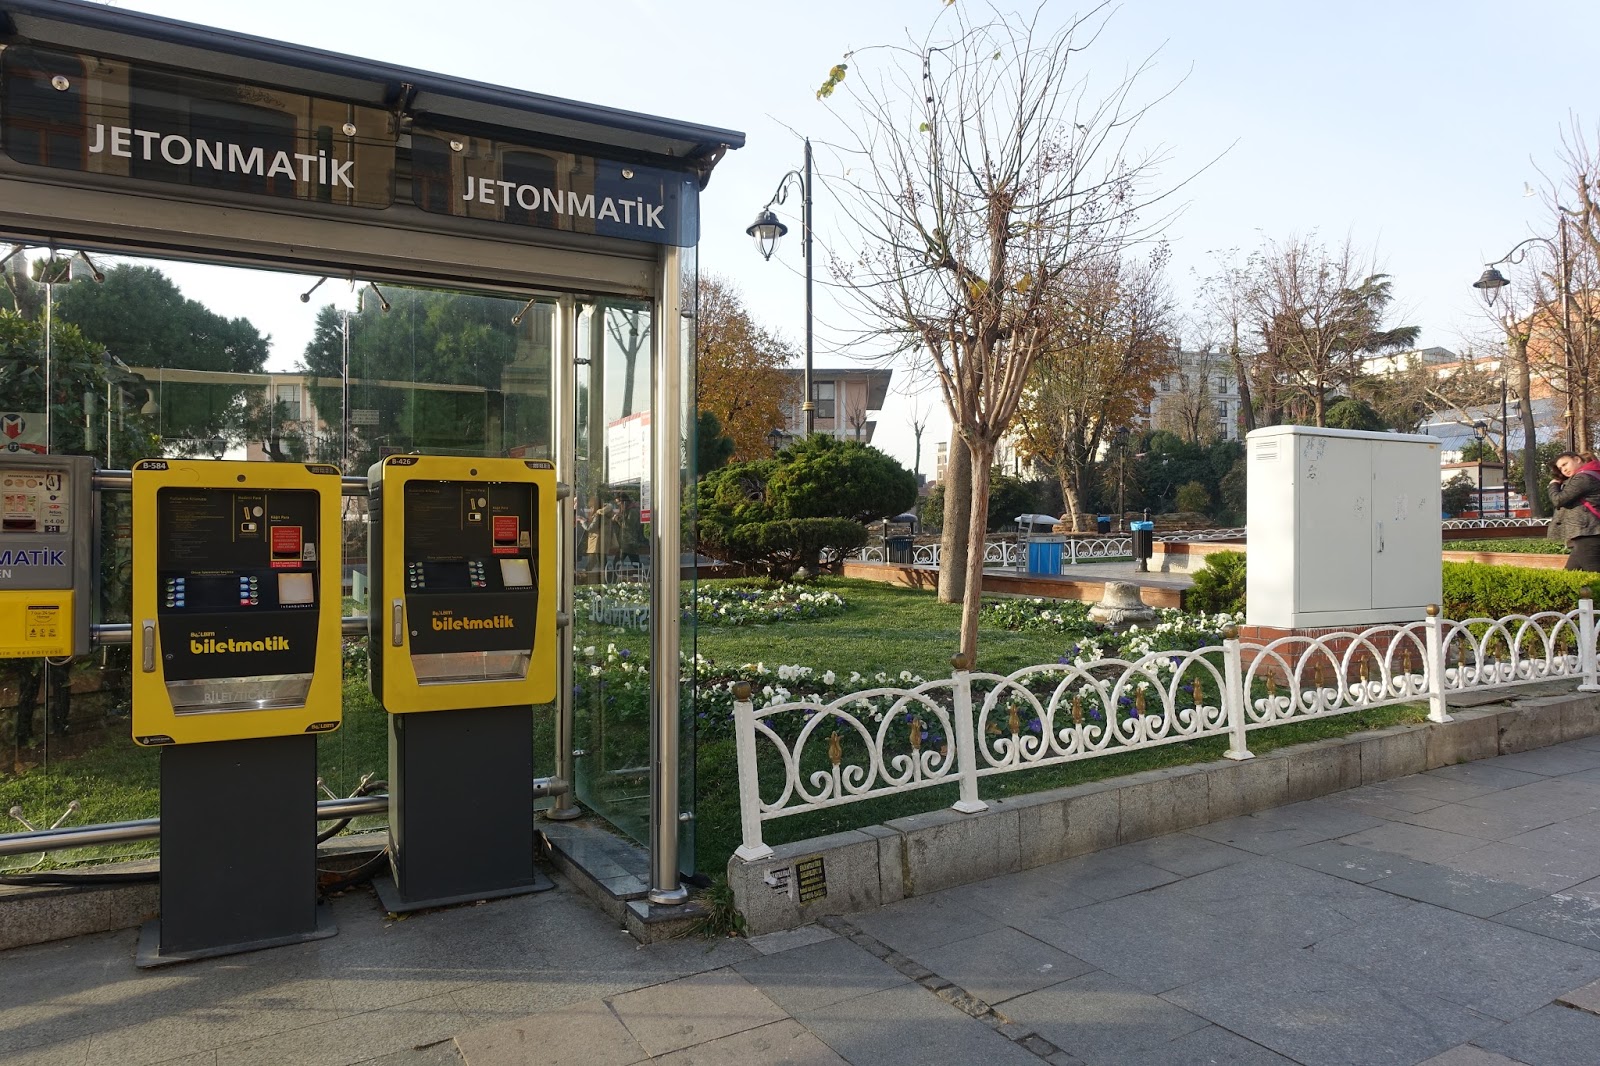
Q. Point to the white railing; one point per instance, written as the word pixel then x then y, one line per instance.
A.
pixel 887 740
pixel 1495 523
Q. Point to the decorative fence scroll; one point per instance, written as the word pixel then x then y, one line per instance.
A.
pixel 806 755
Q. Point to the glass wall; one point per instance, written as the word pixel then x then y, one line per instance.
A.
pixel 172 359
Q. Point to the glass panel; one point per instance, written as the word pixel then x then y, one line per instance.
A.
pixel 688 703
pixel 611 596
pixel 174 359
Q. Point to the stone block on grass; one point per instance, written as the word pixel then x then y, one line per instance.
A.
pixel 1580 716
pixel 1386 754
pixel 1529 724
pixel 947 848
pixel 1321 769
pixel 1470 735
pixel 768 892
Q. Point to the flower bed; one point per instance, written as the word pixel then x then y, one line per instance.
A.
pixel 714 605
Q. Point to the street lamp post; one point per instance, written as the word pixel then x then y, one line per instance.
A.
pixel 1479 433
pixel 766 230
pixel 1489 284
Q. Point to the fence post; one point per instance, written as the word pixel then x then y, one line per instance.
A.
pixel 1586 648
pixel 744 732
pixel 1234 694
pixel 966 737
pixel 1435 667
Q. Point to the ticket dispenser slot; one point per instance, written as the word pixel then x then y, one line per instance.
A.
pixel 237 605
pixel 462 644
pixel 48 546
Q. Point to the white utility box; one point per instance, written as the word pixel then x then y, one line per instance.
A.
pixel 1343 527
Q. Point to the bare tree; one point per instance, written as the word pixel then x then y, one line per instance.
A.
pixel 1225 311
pixel 919 424
pixel 1188 408
pixel 1105 355
pixel 984 172
pixel 1318 315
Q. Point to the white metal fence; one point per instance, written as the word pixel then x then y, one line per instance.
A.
pixel 805 755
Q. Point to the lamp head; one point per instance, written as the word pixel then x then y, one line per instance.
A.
pixel 1489 285
pixel 765 231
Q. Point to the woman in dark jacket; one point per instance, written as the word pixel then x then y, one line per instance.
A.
pixel 1576 495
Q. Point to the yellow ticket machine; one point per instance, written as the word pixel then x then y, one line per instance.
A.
pixel 462 634
pixel 237 669
pixel 47 554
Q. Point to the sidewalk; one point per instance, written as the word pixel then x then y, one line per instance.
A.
pixel 1451 917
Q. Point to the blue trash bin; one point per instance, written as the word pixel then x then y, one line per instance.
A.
pixel 1044 555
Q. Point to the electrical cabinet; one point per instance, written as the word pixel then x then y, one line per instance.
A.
pixel 1343 527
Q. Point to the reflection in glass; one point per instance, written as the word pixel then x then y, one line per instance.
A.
pixel 232 363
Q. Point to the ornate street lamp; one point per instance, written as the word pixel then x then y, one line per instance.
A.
pixel 766 230
pixel 1491 281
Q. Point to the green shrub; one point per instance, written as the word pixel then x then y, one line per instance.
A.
pixel 1192 496
pixel 1476 590
pixel 1531 545
pixel 1218 585
pixel 1457 495
pixel 782 547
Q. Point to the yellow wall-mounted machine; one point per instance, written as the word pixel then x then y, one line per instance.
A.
pixel 236 600
pixel 47 554
pixel 462 559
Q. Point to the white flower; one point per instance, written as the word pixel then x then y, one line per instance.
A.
pixel 594 671
pixel 828 678
pixel 588 653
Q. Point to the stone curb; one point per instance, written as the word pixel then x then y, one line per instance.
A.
pixel 866 868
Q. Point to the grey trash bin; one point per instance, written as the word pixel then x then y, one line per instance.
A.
pixel 900 549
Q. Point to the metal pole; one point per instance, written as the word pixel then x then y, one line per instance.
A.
pixel 810 406
pixel 666 464
pixel 562 379
pixel 49 314
pixel 1566 338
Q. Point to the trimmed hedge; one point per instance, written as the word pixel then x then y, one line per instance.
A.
pixel 1477 590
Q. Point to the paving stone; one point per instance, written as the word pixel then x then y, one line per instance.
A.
pixel 1585 998
pixel 1491 774
pixel 378 1032
pixel 1001 965
pixel 1496 971
pixel 1322 1013
pixel 1482 822
pixel 1353 863
pixel 1156 943
pixel 1282 828
pixel 1182 853
pixel 1211 1046
pixel 1271 898
pixel 787 939
pixel 1553 761
pixel 1468 1055
pixel 1381 799
pixel 1050 890
pixel 1546 870
pixel 785 1043
pixel 1458 890
pixel 692 1010
pixel 1550 1036
pixel 1413 841
pixel 1098 1016
pixel 924 922
pixel 1434 785
pixel 1564 916
pixel 443 1053
pixel 1558 798
pixel 584 1034
pixel 809 977
pixel 878 1029
pixel 1577 834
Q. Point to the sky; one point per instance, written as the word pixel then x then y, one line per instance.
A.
pixel 1410 127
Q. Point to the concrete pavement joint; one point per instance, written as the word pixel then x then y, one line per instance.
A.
pixel 949 991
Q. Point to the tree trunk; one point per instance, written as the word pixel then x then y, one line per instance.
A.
pixel 1071 478
pixel 1530 441
pixel 972 593
pixel 957 512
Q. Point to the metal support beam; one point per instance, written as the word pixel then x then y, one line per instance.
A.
pixel 666 456
pixel 563 372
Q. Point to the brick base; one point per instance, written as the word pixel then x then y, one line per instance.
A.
pixel 1252 636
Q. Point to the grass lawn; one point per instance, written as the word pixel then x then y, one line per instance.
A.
pixel 882 628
